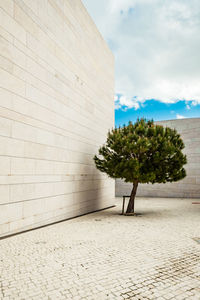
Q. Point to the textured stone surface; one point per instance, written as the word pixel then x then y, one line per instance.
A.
pixel 56 106
pixel 108 256
pixel 188 187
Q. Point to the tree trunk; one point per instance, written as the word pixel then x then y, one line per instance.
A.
pixel 131 204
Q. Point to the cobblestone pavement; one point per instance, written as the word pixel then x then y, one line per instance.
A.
pixel 108 256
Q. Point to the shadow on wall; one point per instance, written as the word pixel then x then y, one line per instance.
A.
pixel 91 188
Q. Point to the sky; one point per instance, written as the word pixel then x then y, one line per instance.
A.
pixel 156 44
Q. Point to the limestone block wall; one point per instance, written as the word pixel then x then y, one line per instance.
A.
pixel 189 187
pixel 56 106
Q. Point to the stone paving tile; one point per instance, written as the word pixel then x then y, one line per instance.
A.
pixel 108 256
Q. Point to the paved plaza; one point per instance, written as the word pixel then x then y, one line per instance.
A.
pixel 108 256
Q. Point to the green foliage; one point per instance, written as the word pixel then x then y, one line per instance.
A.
pixel 143 152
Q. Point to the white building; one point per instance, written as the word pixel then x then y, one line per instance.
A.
pixel 189 187
pixel 56 106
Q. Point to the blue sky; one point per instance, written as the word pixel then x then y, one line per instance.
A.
pixel 158 111
pixel 156 44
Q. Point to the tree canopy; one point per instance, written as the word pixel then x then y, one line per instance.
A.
pixel 143 152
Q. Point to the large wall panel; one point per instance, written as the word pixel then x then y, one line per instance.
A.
pixel 189 187
pixel 56 106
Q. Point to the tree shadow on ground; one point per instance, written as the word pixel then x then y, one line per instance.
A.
pixel 140 213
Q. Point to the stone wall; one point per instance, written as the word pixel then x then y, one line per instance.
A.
pixel 56 106
pixel 189 187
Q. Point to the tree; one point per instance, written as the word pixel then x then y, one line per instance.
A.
pixel 142 153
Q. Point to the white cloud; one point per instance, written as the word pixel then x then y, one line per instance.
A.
pixel 195 102
pixel 120 5
pixel 122 102
pixel 156 46
pixel 179 116
pixel 128 102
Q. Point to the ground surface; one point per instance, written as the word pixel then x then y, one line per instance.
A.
pixel 108 256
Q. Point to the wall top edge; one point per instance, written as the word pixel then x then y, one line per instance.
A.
pixel 89 16
pixel 179 120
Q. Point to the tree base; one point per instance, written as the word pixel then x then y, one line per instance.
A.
pixel 132 214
